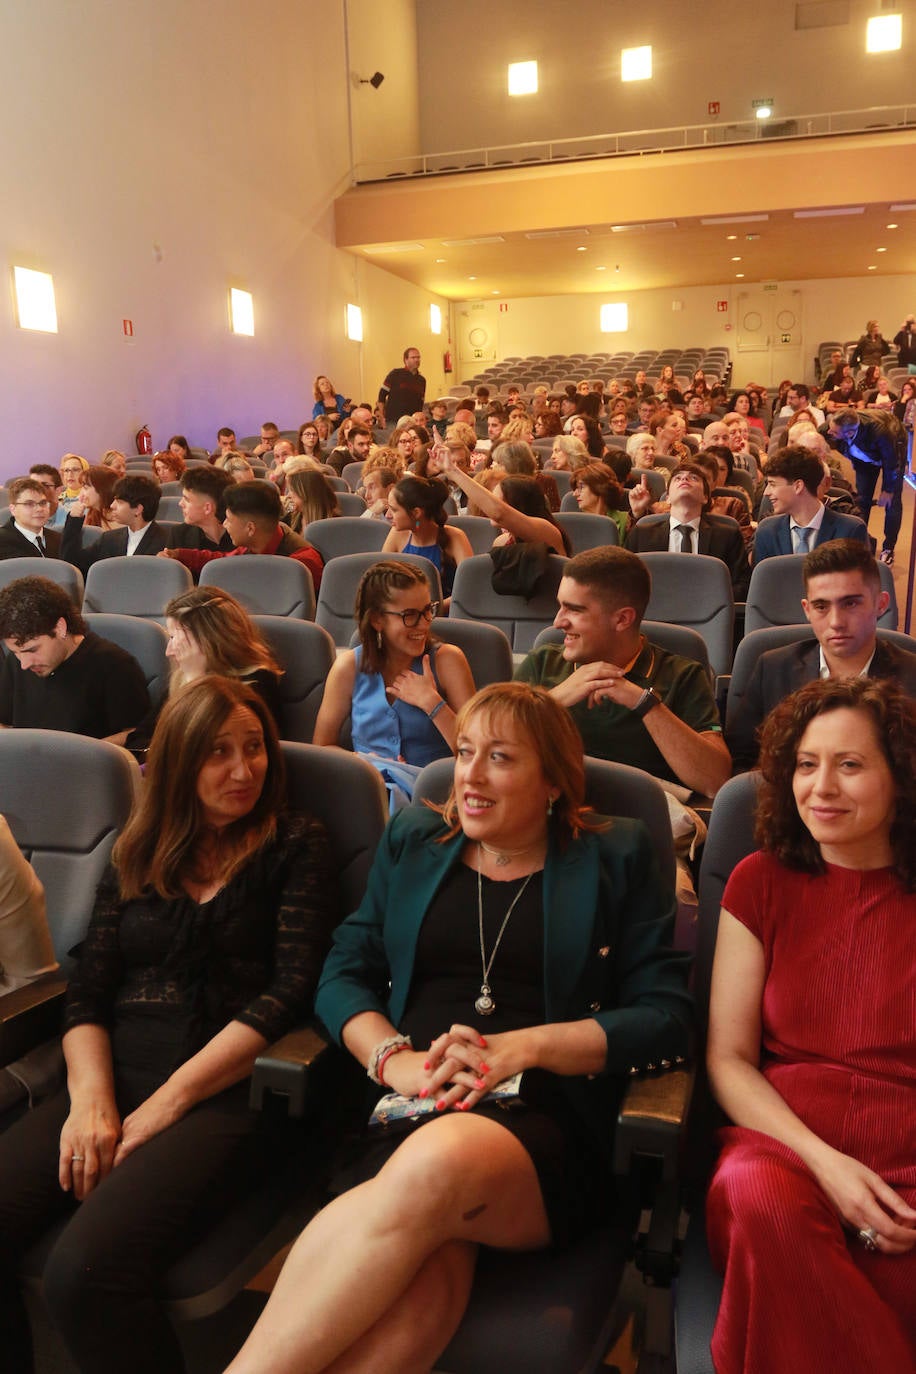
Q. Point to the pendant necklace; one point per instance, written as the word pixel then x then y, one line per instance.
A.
pixel 484 1005
pixel 501 857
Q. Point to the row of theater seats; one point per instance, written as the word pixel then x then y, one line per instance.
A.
pixel 269 585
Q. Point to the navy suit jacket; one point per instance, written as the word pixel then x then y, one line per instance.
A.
pixel 15 545
pixel 775 536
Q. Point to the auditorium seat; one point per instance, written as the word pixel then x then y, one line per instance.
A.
pixel 347 534
pixel 266 584
pixel 145 640
pixel 64 574
pixel 776 589
pixel 306 653
pixel 473 598
pixel 141 585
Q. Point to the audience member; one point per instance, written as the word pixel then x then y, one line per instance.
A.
pixel 800 520
pixel 253 512
pixel 905 343
pixel 517 507
pixel 632 701
pixel 53 483
pixel 418 525
pixel 225 443
pixel 168 466
pixel 870 348
pixel 688 529
pixel 810 1046
pixel 377 488
pixel 798 397
pixel 357 443
pixel 400 689
pixel 599 493
pixel 843 602
pixel 328 401
pixel 309 441
pixel 514 827
pixel 205 945
pixel 203 509
pixel 96 497
pixel 113 458
pixel 309 496
pixel 270 433
pixel 73 469
pixel 25 534
pixel 869 444
pixel 134 504
pixel 57 674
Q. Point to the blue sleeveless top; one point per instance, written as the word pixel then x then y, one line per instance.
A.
pixel 391 728
pixel 434 552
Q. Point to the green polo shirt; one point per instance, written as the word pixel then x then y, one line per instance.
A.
pixel 610 731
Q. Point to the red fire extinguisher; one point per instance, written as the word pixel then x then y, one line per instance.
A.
pixel 144 441
pixel 447 360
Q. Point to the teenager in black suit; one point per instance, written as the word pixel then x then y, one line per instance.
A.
pixel 843 603
pixel 688 529
pixel 24 534
pixel 134 506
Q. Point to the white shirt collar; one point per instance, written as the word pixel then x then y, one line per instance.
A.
pixel 134 537
pixel 814 523
pixel 29 534
pixel 825 671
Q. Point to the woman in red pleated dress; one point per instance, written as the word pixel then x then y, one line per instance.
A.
pixel 812 1047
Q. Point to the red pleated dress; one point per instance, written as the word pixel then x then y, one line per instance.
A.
pixel 801 1294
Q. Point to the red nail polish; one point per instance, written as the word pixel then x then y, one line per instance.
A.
pixel 426 1065
pixel 440 1105
pixel 479 1083
pixel 424 1092
pixel 463 1106
pixel 484 1068
pixel 482 1043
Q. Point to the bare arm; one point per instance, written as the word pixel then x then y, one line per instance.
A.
pixel 525 527
pixel 92 1131
pixel 733 1059
pixel 337 701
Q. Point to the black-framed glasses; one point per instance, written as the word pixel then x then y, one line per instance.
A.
pixel 412 619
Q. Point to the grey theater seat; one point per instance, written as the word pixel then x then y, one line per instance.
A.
pixel 140 586
pixel 264 583
pixel 480 531
pixel 473 598
pixel 347 534
pixel 776 589
pixel 306 654
pixel 704 601
pixel 586 531
pixel 144 639
pixel 64 574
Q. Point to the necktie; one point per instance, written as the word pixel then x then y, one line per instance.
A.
pixel 41 546
pixel 686 533
pixel 803 539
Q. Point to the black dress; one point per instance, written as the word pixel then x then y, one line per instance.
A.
pixel 446 981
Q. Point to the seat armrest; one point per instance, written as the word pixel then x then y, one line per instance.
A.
pixel 652 1120
pixel 287 1070
pixel 29 1015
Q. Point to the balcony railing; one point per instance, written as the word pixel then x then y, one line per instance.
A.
pixel 640 142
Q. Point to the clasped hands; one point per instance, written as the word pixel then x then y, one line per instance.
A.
pixel 94 1140
pixel 594 682
pixel 460 1067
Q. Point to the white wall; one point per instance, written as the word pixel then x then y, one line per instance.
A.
pixel 730 51
pixel 156 154
pixel 570 324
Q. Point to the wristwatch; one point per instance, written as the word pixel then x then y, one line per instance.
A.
pixel 646 703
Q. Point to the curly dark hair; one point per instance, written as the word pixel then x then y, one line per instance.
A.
pixel 780 830
pixel 33 606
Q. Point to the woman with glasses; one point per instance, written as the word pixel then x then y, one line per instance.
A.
pixel 400 689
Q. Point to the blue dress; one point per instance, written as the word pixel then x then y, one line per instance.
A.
pixel 396 738
pixel 434 553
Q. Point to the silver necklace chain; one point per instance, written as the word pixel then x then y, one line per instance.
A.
pixel 502 856
pixel 485 1005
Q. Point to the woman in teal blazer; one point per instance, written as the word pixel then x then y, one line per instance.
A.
pixel 512 934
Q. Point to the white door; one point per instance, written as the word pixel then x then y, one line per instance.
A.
pixel 478 335
pixel 770 342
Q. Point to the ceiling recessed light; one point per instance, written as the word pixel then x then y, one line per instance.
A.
pixel 873 267
pixel 440 260
pixel 763 111
pixel 494 293
pixel 736 259
pixel 733 219
pixel 729 237
pixel 581 249
pixel 880 250
pixel 829 212
pixel 890 226
pixel 739 274
pixel 600 269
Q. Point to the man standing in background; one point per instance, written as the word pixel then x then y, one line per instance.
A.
pixel 404 390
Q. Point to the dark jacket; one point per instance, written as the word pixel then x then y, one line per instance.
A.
pixel 877 444
pixel 15 545
pixel 111 544
pixel 774 534
pixel 720 537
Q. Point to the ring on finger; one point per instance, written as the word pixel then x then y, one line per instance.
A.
pixel 77 1159
pixel 869 1237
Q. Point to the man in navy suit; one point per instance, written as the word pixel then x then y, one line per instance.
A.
pixel 801 521
pixel 843 602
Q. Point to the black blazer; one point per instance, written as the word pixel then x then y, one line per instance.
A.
pixel 720 537
pixel 15 545
pixel 112 544
pixel 781 671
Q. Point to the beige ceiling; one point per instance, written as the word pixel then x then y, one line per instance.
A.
pixel 410 222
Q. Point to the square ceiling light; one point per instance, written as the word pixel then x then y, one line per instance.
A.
pixel 884 33
pixel 35 305
pixel 635 64
pixel 523 78
pixel 614 318
pixel 241 312
pixel 354 324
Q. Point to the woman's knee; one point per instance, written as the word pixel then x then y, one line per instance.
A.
pixel 762 1192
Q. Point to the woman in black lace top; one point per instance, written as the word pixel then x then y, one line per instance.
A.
pixel 206 943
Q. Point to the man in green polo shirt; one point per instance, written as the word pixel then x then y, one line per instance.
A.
pixel 632 701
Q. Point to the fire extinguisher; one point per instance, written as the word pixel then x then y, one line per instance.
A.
pixel 144 441
pixel 447 360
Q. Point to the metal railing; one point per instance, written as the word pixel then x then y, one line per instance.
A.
pixel 637 142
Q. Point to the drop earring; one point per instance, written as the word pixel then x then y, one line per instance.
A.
pixel 378 638
pixel 549 807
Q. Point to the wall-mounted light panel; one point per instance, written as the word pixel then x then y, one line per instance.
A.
pixel 354 324
pixel 34 295
pixel 523 78
pixel 614 318
pixel 241 312
pixel 636 64
pixel 435 319
pixel 884 33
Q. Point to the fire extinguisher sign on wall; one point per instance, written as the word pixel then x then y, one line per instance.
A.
pixel 447 360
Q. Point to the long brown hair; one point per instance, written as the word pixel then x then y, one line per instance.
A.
pixel 780 829
pixel 223 629
pixel 548 727
pixel 375 587
pixel 160 845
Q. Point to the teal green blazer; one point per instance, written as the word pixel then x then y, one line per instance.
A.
pixel 608 925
